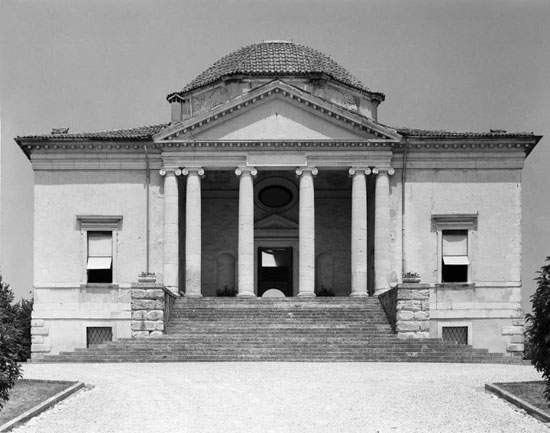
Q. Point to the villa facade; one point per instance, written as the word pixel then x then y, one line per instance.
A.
pixel 275 174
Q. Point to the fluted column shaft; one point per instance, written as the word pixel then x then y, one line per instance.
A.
pixel 306 233
pixel 193 232
pixel 359 231
pixel 171 238
pixel 382 262
pixel 245 263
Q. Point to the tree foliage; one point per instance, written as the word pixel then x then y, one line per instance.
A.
pixel 537 331
pixel 10 344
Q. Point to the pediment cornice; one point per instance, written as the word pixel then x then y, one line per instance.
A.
pixel 185 130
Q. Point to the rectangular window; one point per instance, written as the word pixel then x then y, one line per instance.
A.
pixel 98 335
pixel 457 334
pixel 100 257
pixel 455 260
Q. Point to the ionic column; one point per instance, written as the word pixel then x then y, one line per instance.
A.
pixel 171 244
pixel 382 259
pixel 306 233
pixel 359 231
pixel 193 231
pixel 245 261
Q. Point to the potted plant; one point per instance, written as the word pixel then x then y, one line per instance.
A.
pixel 411 277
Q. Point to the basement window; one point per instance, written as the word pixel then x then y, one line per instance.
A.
pixel 455 261
pixel 456 334
pixel 98 334
pixel 100 257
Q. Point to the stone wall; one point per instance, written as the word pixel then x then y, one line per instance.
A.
pixel 151 304
pixel 513 337
pixel 413 310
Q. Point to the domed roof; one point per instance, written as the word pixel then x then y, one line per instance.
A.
pixel 274 58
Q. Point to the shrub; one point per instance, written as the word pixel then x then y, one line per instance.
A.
pixel 324 292
pixel 537 331
pixel 226 292
pixel 10 345
pixel 23 324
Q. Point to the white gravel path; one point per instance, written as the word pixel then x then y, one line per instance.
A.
pixel 282 397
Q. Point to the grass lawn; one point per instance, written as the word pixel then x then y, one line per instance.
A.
pixel 28 393
pixel 531 392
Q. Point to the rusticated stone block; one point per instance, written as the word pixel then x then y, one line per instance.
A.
pixel 136 325
pixel 138 314
pixel 138 293
pixel 405 315
pixel 42 330
pixel 512 330
pixel 140 334
pixel 37 339
pixel 421 315
pixel 147 304
pixel 408 326
pixel 424 325
pixel 40 348
pixel 37 322
pixel 154 294
pixel 515 347
pixel 518 322
pixel 516 338
pixel 154 315
pixel 425 305
pixel 155 334
pixel 408 305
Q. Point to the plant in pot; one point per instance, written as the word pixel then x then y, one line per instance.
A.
pixel 411 277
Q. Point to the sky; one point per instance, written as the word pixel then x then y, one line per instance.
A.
pixel 457 65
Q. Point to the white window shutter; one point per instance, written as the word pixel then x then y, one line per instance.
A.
pixel 99 263
pixel 100 244
pixel 455 244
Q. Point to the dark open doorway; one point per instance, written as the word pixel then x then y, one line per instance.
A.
pixel 275 270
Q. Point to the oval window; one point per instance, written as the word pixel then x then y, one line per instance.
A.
pixel 275 196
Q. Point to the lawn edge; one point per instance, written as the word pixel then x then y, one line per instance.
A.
pixel 41 407
pixel 527 407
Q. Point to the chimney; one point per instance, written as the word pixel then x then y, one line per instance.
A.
pixel 60 131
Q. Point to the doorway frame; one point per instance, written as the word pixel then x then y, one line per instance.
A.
pixel 277 242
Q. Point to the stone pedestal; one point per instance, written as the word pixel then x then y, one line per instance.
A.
pixel 150 305
pixel 413 310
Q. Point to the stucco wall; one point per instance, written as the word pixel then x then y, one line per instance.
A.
pixel 493 302
pixel 62 195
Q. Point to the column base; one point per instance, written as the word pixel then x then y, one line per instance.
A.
pixel 358 294
pixel 306 295
pixel 246 295
pixel 193 295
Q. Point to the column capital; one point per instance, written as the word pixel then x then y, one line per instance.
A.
pixel 170 171
pixel 359 170
pixel 246 170
pixel 303 170
pixel 199 171
pixel 385 170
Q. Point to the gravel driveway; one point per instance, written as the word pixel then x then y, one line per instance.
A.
pixel 282 397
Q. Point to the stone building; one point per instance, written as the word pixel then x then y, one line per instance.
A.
pixel 275 173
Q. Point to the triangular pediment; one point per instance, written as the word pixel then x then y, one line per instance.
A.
pixel 275 222
pixel 277 111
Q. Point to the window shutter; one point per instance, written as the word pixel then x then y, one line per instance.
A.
pixel 100 244
pixel 455 244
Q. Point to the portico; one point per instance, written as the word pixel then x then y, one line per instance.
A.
pixel 246 255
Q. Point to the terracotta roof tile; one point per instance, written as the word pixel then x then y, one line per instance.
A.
pixel 274 58
pixel 139 133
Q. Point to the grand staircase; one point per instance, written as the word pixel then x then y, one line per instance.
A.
pixel 278 329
